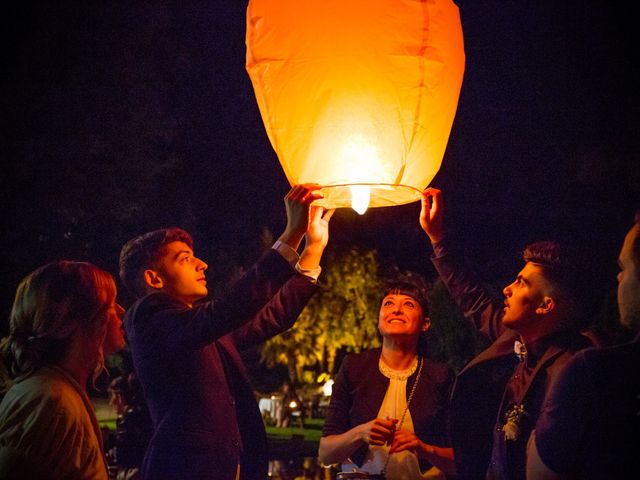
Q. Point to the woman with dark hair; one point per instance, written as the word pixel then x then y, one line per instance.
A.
pixel 63 322
pixel 388 410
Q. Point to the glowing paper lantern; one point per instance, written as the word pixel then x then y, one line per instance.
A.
pixel 357 95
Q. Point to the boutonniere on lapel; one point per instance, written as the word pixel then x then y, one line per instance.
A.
pixel 513 417
pixel 520 350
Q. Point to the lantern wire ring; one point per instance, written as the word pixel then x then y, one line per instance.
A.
pixel 372 185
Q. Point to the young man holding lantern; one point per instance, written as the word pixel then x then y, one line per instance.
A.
pixel 498 395
pixel 206 421
pixel 590 426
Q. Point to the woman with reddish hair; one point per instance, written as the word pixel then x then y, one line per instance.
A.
pixel 63 322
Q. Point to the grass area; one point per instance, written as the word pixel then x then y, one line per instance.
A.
pixel 312 429
pixel 311 432
pixel 284 443
pixel 110 424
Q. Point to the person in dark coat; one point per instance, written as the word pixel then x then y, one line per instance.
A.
pixel 590 426
pixel 133 425
pixel 289 406
pixel 534 330
pixel 186 354
pixel 63 322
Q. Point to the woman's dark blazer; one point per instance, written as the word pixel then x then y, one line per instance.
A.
pixel 359 389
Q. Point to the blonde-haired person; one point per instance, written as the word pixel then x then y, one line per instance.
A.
pixel 63 322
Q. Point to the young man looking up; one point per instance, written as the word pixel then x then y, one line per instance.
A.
pixel 590 427
pixel 497 396
pixel 206 421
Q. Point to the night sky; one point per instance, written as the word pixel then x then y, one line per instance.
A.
pixel 121 118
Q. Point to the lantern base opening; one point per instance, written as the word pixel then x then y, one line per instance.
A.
pixel 380 195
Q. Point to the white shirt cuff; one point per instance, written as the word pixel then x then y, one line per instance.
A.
pixel 288 253
pixel 291 256
pixel 311 273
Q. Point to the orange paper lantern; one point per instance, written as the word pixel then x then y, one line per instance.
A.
pixel 357 95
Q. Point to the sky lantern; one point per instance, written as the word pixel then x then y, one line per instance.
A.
pixel 357 95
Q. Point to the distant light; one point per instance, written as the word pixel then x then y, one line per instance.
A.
pixel 360 197
pixel 293 404
pixel 327 388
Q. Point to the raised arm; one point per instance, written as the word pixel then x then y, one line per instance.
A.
pixel 477 304
pixel 432 214
pixel 316 237
pixel 282 311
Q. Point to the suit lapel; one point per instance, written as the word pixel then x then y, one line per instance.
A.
pixel 231 357
pixel 501 347
pixel 550 354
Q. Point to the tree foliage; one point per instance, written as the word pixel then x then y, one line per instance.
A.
pixel 451 338
pixel 342 318
pixel 342 315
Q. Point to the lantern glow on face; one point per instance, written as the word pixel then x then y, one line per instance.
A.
pixel 357 96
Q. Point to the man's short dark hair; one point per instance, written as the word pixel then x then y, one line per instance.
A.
pixel 565 270
pixel 143 252
pixel 409 288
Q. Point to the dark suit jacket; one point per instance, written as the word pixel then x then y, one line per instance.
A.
pixel 479 387
pixel 204 412
pixel 359 390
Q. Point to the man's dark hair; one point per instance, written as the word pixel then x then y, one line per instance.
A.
pixel 563 268
pixel 143 252
pixel 411 289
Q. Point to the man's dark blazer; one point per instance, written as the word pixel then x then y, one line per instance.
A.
pixel 479 387
pixel 204 412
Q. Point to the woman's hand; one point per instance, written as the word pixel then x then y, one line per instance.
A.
pixel 405 440
pixel 338 448
pixel 379 431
